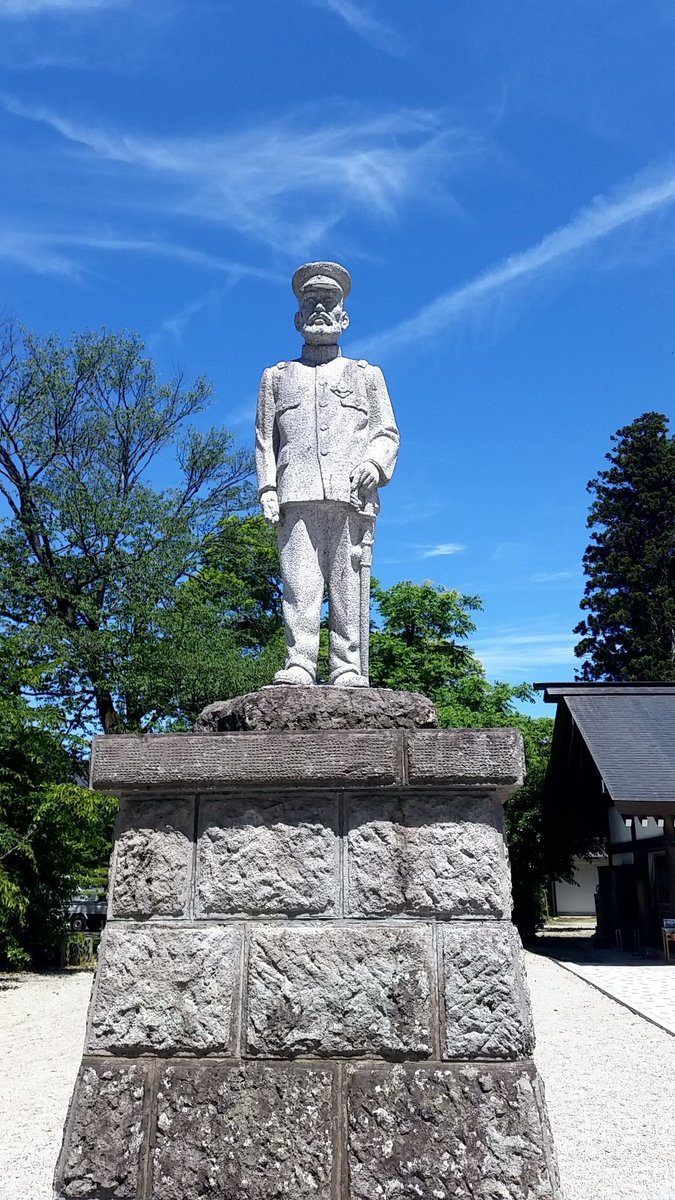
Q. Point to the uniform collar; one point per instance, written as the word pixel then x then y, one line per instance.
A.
pixel 318 356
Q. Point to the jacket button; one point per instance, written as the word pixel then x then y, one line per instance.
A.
pixel 323 427
pixel 323 403
pixel 324 450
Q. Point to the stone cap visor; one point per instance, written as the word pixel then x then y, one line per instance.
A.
pixel 489 759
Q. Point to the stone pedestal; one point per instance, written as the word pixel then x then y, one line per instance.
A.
pixel 309 985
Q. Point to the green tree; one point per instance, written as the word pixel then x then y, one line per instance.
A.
pixel 241 577
pixel 535 853
pixel 629 632
pixel 92 553
pixel 416 646
pixel 54 835
pixel 223 634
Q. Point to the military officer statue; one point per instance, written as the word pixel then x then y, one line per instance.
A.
pixel 326 440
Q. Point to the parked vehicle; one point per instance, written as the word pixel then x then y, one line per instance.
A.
pixel 86 913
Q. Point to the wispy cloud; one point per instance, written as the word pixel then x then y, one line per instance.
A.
pixel 606 215
pixel 29 8
pixel 511 553
pixel 175 325
pixel 50 252
pixel 441 550
pixel 243 414
pixel 362 20
pixel 553 576
pixel 413 511
pixel 286 182
pixel 35 253
pixel 524 653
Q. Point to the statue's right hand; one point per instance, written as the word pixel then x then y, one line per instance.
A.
pixel 269 503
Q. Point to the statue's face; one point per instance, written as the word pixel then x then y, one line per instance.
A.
pixel 322 317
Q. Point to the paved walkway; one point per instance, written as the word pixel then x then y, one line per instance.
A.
pixel 645 987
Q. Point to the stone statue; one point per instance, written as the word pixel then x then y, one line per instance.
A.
pixel 326 440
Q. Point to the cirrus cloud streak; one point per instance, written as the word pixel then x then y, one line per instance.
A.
pixel 363 22
pixel 604 216
pixel 286 182
pixel 31 8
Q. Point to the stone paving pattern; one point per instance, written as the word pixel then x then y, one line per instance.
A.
pixel 645 987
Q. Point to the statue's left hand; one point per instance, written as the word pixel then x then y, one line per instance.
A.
pixel 269 503
pixel 363 477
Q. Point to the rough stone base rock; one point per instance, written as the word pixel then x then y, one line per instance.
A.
pixel 309 708
pixel 469 1131
pixel 251 1131
pixel 165 990
pixel 340 990
pixel 101 1155
pixel 243 1133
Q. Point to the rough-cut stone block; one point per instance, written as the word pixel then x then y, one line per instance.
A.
pixel 426 855
pixel 340 990
pixel 466 757
pixel 152 858
pixel 127 763
pixel 319 707
pixel 469 1131
pixel 165 990
pixel 276 856
pixel 487 1004
pixel 243 1133
pixel 103 1137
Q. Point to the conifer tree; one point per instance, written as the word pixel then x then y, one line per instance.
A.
pixel 629 630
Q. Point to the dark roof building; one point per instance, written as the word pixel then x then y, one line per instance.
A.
pixel 613 765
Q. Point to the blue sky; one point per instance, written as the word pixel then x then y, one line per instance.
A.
pixel 498 175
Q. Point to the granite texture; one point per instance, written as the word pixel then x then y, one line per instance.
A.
pixel 487 1003
pixel 174 762
pixel 476 1132
pixel 340 990
pixel 326 441
pixel 321 996
pixel 243 1133
pixel 151 869
pixel 422 854
pixel 298 708
pixel 101 1157
pixel 260 856
pixel 486 757
pixel 166 990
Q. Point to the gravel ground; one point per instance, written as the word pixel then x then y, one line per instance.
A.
pixel 42 1019
pixel 609 1075
pixel 610 1087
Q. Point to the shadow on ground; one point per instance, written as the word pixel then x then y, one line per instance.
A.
pixel 582 948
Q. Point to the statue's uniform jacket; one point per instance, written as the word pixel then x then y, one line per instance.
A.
pixel 316 423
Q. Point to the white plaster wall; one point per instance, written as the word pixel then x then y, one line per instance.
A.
pixel 579 900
